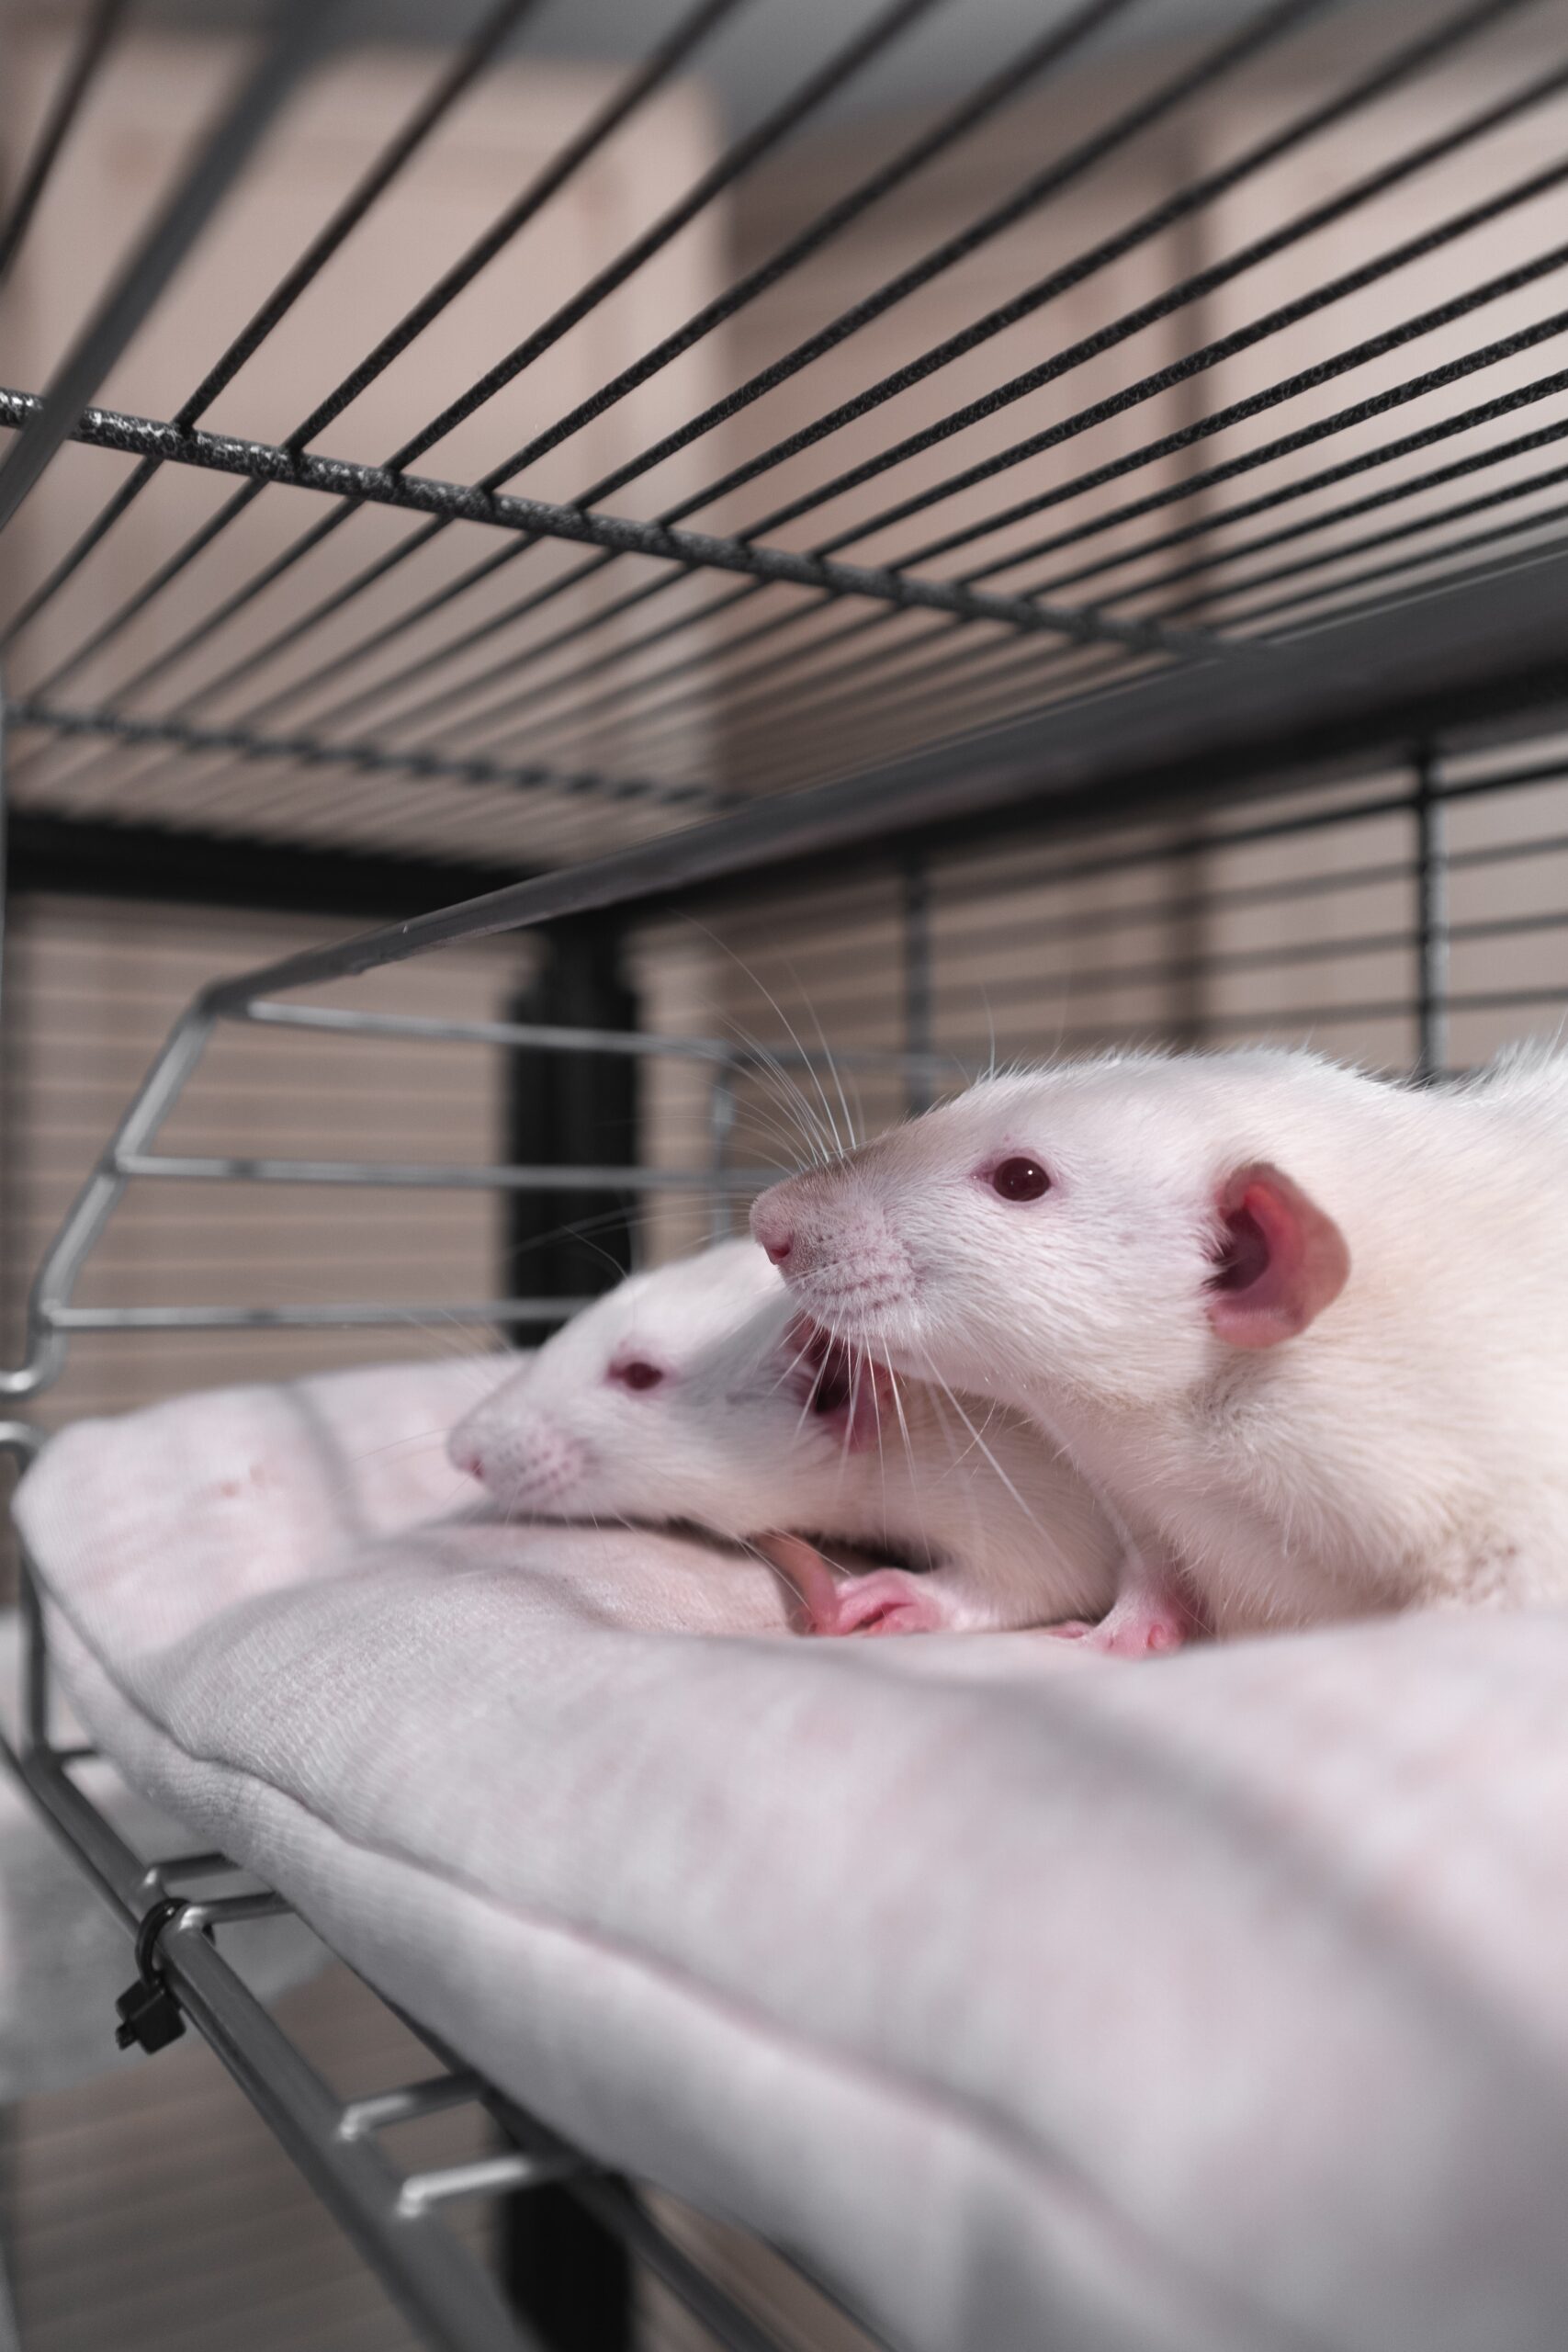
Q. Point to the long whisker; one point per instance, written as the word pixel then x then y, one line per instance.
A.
pixel 812 1133
pixel 863 1372
pixel 801 1356
pixel 909 1443
pixel 839 1341
pixel 1114 1518
pixel 1027 1508
pixel 807 1406
pixel 395 1444
pixel 954 1475
pixel 827 1052
pixel 784 1022
pixel 762 1118
pixel 763 1560
pixel 808 1062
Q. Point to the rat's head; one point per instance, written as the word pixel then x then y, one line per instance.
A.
pixel 689 1392
pixel 1109 1230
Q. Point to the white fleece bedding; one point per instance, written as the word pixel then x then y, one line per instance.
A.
pixel 1216 2003
pixel 63 1957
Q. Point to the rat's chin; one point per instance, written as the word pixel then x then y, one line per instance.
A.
pixel 884 1324
pixel 537 1503
pixel 546 1496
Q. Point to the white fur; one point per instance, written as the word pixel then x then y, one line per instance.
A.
pixel 1411 1446
pixel 726 1440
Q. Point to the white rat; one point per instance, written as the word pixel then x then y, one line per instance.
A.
pixel 696 1394
pixel 1304 1332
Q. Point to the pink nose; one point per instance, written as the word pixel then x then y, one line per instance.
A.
pixel 769 1228
pixel 464 1454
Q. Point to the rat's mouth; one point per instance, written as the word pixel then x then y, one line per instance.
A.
pixel 540 1486
pixel 839 1383
pixel 859 1305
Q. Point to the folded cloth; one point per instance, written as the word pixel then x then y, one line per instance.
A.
pixel 63 1957
pixel 1030 1998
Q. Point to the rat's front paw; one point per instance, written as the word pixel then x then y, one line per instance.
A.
pixel 1142 1625
pixel 831 1602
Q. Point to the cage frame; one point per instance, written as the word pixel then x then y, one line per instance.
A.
pixel 1477 659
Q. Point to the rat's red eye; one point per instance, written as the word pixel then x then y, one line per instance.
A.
pixel 638 1374
pixel 1020 1179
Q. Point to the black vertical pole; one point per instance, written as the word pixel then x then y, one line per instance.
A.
pixel 5 844
pixel 577 1110
pixel 917 1027
pixel 1431 922
pixel 565 2273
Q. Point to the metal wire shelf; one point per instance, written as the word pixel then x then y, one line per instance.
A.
pixel 947 653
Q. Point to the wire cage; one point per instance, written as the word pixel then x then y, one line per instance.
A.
pixel 1015 535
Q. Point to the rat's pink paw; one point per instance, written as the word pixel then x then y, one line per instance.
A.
pixel 890 1602
pixel 1143 1624
pixel 887 1601
pixel 1139 1631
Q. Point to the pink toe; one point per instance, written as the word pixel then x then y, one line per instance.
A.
pixel 887 1602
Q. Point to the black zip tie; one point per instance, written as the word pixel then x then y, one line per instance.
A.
pixel 149 2011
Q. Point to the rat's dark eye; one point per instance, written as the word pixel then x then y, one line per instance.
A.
pixel 636 1374
pixel 1020 1179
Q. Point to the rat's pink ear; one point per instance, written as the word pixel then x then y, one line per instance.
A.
pixel 1280 1260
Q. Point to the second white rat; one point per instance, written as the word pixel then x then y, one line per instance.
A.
pixel 1305 1330
pixel 693 1394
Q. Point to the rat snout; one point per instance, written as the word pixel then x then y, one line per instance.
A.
pixel 467 1446
pixel 803 1223
pixel 519 1455
pixel 771 1225
pixel 791 1229
pixel 464 1452
pixel 833 1245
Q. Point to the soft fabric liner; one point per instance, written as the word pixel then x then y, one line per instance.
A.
pixel 1031 1998
pixel 63 1957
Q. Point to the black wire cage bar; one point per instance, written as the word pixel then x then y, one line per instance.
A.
pixel 871 657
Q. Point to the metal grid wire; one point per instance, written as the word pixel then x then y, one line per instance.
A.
pixel 848 552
